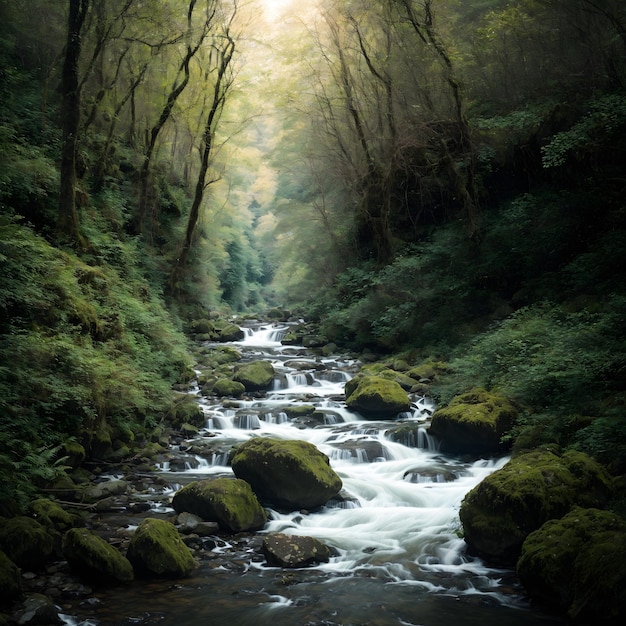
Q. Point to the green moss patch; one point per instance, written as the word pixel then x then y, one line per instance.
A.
pixel 156 549
pixel 474 421
pixel 576 564
pixel 500 512
pixel 92 558
pixel 26 542
pixel 289 474
pixel 255 376
pixel 229 502
pixel 375 397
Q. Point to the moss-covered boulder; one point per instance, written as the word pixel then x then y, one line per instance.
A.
pixel 74 453
pixel 186 410
pixel 255 376
pixel 157 550
pixel 576 564
pixel 92 558
pixel 10 579
pixel 227 387
pixel 298 410
pixel 473 422
pixel 216 330
pixel 532 488
pixel 282 550
pixel 26 542
pixel 375 397
pixel 229 502
pixel 289 474
pixel 38 609
pixel 51 514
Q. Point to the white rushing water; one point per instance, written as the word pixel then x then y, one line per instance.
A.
pixel 399 520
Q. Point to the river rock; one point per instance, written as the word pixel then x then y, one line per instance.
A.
pixel 221 331
pixel 227 387
pixel 229 502
pixel 39 610
pixel 282 550
pixel 157 549
pixel 186 411
pixel 255 376
pixel 26 542
pixel 473 422
pixel 576 564
pixel 51 514
pixel 103 490
pixel 375 397
pixel 92 558
pixel 289 474
pixel 10 579
pixel 532 488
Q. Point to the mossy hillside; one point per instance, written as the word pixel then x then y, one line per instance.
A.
pixel 255 376
pixel 156 549
pixel 376 397
pixel 93 355
pixel 288 474
pixel 229 502
pixel 29 544
pixel 474 421
pixel 499 513
pixel 92 558
pixel 575 564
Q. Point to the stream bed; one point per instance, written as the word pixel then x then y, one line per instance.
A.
pixel 395 532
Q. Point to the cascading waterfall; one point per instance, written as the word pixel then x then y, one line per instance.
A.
pixel 400 523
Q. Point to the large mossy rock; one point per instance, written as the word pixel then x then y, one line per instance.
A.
pixel 26 542
pixel 473 422
pixel 91 557
pixel 51 514
pixel 576 564
pixel 227 387
pixel 255 376
pixel 289 474
pixel 216 330
pixel 186 410
pixel 532 488
pixel 282 550
pixel 229 502
pixel 375 397
pixel 10 579
pixel 157 549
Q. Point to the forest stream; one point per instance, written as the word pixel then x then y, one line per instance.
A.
pixel 397 554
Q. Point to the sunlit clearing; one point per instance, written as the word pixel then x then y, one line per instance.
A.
pixel 274 8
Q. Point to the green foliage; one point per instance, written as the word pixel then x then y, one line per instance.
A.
pixel 544 356
pixel 591 134
pixel 84 349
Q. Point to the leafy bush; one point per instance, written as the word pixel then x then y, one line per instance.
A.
pixel 556 364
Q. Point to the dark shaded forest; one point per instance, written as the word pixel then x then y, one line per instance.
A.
pixel 437 182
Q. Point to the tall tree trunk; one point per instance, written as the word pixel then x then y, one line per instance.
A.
pixel 220 89
pixel 68 227
pixel 179 86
